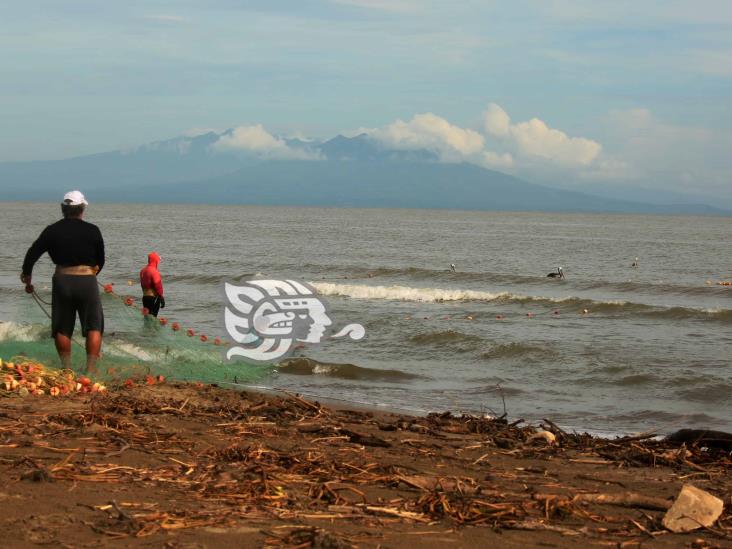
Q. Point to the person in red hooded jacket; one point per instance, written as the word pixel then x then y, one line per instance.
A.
pixel 152 285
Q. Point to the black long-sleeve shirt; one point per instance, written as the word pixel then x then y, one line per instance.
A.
pixel 71 241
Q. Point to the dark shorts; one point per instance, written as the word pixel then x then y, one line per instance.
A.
pixel 76 294
pixel 152 304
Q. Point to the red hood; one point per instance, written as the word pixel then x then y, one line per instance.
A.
pixel 153 259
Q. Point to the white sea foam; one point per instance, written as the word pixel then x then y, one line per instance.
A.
pixel 13 331
pixel 403 293
pixel 322 369
pixel 121 348
pixel 426 295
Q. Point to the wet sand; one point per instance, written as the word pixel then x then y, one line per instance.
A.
pixel 193 466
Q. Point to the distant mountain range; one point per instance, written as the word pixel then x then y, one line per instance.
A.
pixel 343 171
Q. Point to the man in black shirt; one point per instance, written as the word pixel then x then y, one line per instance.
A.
pixel 77 249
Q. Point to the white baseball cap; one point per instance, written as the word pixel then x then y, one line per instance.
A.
pixel 74 198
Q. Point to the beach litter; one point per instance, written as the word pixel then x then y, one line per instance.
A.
pixel 175 457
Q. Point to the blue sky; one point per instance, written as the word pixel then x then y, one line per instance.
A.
pixel 648 81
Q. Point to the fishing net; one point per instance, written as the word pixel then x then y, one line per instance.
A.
pixel 135 345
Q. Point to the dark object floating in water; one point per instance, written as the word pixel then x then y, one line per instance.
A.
pixel 558 274
pixel 702 437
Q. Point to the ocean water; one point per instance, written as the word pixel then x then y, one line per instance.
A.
pixel 653 350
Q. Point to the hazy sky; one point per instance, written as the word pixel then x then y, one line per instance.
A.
pixel 593 91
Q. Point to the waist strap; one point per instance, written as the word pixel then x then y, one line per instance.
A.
pixel 76 270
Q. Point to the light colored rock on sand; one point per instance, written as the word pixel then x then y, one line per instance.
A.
pixel 692 509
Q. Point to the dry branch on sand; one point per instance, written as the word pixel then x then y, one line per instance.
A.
pixel 207 458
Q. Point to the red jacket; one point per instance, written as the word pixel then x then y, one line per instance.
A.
pixel 150 277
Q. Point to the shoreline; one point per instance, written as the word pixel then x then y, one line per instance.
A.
pixel 345 404
pixel 198 465
pixel 375 408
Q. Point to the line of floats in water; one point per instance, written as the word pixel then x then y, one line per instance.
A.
pixel 190 332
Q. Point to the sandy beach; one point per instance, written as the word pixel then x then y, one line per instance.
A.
pixel 192 465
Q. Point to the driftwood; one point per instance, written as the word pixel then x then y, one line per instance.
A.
pixel 289 460
pixel 627 499
pixel 702 437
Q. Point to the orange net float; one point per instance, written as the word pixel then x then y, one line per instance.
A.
pixel 145 311
pixel 499 317
pixel 217 341
pixel 175 326
pixel 190 332
pixel 108 289
pixel 530 315
pixel 203 338
pixel 129 301
pixel 163 321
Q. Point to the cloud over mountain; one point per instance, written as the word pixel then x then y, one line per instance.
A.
pixel 534 138
pixel 257 140
pixel 499 143
pixel 431 132
pixel 636 148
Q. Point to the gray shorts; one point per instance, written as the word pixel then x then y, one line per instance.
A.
pixel 76 294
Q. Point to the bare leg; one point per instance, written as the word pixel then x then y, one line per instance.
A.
pixel 63 348
pixel 93 349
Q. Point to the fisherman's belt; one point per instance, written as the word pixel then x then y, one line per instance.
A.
pixel 76 270
pixel 149 292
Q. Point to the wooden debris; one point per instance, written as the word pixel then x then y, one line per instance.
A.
pixel 287 460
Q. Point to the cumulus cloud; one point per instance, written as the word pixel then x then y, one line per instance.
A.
pixel 496 120
pixel 501 145
pixel 431 132
pixel 535 138
pixel 637 148
pixel 257 140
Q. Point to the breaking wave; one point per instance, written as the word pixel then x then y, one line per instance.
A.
pixel 658 287
pixel 403 293
pixel 13 331
pixel 439 295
